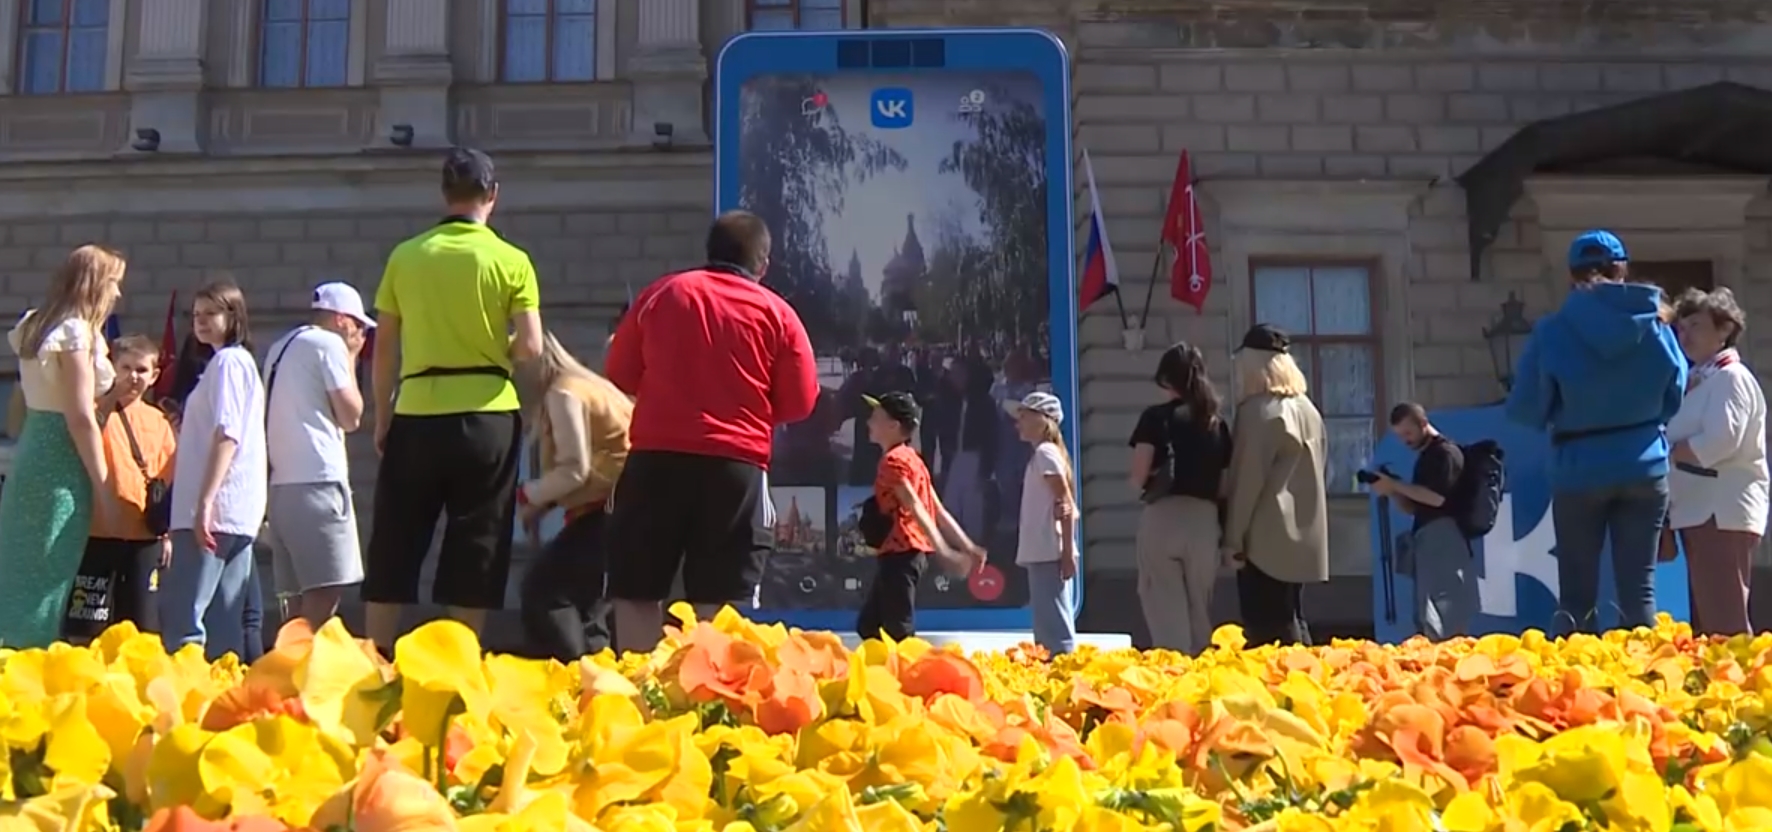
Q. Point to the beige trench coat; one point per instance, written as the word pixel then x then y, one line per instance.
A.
pixel 1279 514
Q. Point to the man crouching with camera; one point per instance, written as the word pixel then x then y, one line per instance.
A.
pixel 1444 571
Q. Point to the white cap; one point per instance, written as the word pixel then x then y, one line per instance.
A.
pixel 341 298
pixel 1045 404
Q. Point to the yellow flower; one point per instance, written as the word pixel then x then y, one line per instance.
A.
pixel 1580 765
pixel 441 675
pixel 337 682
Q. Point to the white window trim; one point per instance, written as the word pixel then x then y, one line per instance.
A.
pixel 492 42
pixel 851 16
pixel 1674 218
pixel 115 31
pixel 1366 220
pixel 249 51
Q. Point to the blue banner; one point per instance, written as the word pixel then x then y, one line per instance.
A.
pixel 1516 562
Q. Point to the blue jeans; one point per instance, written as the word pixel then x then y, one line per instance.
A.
pixel 1054 626
pixel 203 594
pixel 1631 515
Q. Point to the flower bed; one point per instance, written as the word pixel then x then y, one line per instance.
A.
pixel 735 727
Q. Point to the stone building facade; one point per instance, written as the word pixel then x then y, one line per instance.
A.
pixel 1332 142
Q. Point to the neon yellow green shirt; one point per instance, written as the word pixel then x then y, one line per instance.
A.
pixel 455 288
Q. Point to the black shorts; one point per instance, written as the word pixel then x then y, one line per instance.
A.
pixel 696 512
pixel 463 467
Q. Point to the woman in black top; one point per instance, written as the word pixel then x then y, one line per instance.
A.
pixel 1180 450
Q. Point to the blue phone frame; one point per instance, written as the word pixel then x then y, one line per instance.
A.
pixel 1035 51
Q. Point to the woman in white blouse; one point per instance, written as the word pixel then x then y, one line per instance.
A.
pixel 58 466
pixel 1718 487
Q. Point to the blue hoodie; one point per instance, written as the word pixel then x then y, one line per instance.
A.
pixel 1603 362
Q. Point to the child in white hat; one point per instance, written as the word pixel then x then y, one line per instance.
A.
pixel 1047 543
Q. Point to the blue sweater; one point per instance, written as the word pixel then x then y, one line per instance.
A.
pixel 1603 362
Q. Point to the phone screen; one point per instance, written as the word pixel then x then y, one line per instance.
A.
pixel 911 216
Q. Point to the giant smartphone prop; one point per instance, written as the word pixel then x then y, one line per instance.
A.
pixel 918 186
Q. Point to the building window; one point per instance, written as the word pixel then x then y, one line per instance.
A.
pixel 305 43
pixel 788 15
pixel 550 40
pixel 1328 311
pixel 63 46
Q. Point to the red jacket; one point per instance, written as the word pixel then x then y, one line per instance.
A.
pixel 714 361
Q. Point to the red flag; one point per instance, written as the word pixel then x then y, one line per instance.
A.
pixel 168 351
pixel 1184 230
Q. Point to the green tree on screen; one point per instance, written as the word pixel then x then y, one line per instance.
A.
pixel 797 169
pixel 1006 295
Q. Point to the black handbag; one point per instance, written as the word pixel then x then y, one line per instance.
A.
pixel 157 510
pixel 873 524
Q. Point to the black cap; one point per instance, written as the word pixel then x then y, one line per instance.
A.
pixel 901 406
pixel 467 169
pixel 1267 338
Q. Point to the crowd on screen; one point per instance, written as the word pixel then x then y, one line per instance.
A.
pixel 658 465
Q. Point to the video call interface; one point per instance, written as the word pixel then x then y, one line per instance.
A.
pixel 910 217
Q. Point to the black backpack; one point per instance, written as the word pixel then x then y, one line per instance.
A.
pixel 1477 499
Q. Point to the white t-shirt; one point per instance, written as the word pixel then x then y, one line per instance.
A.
pixel 1038 541
pixel 306 443
pixel 229 398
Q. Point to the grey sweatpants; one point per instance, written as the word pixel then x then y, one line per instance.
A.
pixel 1445 580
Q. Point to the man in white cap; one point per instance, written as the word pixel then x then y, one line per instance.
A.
pixel 312 401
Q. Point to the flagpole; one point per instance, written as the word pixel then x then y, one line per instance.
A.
pixel 1150 289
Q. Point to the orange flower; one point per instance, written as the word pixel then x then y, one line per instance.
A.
pixel 716 666
pixel 820 655
pixel 1416 735
pixel 792 703
pixel 939 672
pixel 184 819
pixel 386 798
pixel 248 701
pixel 1171 726
pixel 1053 734
pixel 1118 702
pixel 1569 706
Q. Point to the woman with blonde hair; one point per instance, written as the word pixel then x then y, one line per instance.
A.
pixel 59 476
pixel 1276 530
pixel 581 424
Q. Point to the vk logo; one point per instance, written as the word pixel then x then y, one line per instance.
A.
pixel 892 109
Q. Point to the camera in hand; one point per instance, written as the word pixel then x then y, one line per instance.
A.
pixel 1370 477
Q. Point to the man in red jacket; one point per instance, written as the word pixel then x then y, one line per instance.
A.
pixel 715 362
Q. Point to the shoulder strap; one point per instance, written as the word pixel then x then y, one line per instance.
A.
pixel 135 448
pixel 271 376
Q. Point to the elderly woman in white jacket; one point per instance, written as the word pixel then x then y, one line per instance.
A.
pixel 1718 487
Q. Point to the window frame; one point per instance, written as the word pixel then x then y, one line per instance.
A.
pixel 21 30
pixel 843 7
pixel 307 21
pixel 1373 339
pixel 552 14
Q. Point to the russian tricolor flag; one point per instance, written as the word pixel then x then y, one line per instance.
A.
pixel 1101 276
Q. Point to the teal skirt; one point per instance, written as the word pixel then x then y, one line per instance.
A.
pixel 45 515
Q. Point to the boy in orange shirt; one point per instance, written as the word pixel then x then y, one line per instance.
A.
pixel 920 526
pixel 139 445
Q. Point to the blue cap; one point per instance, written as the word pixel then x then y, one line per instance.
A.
pixel 1581 250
